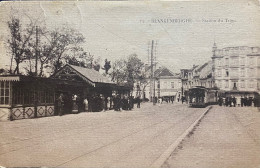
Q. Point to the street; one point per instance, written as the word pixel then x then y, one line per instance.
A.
pixel 105 139
pixel 225 137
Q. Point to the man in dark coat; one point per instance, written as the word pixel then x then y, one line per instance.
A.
pixel 138 101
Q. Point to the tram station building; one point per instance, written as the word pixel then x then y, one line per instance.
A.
pixel 31 97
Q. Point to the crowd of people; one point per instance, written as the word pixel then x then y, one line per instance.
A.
pixel 232 101
pixel 95 103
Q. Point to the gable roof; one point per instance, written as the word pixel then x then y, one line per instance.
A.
pixel 89 75
pixel 163 72
pixel 92 74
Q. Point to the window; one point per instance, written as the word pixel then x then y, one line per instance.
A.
pixel 219 73
pixel 218 62
pixel 242 61
pixel 251 72
pixel 226 61
pixel 5 92
pixel 251 60
pixel 234 61
pixel 219 84
pixel 227 73
pixel 251 84
pixel 172 84
pixel 234 72
pixel 242 72
pixel 226 84
pixel 165 84
pixel 242 84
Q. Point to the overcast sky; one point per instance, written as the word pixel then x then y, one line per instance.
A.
pixel 115 30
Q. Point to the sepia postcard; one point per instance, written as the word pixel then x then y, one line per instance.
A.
pixel 130 84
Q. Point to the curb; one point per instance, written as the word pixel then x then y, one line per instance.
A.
pixel 163 157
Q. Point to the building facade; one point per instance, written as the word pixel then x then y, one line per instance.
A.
pixel 236 69
pixel 164 84
pixel 167 84
pixel 198 75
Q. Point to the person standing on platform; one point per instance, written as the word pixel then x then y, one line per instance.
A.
pixel 138 101
pixel 234 101
pixel 85 103
pixel 60 104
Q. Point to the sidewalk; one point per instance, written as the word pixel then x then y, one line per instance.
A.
pixel 226 137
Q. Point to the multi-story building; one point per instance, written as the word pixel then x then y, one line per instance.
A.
pixel 164 84
pixel 236 69
pixel 167 83
pixel 198 75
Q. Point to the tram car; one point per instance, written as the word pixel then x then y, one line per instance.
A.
pixel 202 97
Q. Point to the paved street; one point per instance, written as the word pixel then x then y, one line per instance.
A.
pixel 226 137
pixel 105 139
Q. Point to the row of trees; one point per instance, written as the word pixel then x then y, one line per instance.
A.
pixel 42 48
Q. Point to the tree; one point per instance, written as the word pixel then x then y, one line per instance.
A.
pixel 118 73
pixel 128 71
pixel 18 42
pixel 134 67
pixel 107 66
pixel 64 41
pixel 36 45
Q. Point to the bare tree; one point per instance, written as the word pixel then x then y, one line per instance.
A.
pixel 18 41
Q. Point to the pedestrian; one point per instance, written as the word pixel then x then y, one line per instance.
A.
pixel 138 101
pixel 90 103
pixel 238 102
pixel 234 101
pixel 117 103
pixel 227 101
pixel 246 101
pixel 182 99
pixel 219 101
pixel 85 103
pixel 242 101
pixel 102 103
pixel 109 103
pixel 60 104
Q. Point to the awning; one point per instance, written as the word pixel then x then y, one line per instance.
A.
pixel 9 78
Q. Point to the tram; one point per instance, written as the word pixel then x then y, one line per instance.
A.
pixel 201 97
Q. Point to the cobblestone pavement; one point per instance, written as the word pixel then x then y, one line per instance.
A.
pixel 226 137
pixel 104 139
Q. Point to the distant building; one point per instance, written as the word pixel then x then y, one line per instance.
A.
pixel 236 69
pixel 198 75
pixel 167 83
pixel 164 84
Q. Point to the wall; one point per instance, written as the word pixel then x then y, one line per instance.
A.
pixel 4 114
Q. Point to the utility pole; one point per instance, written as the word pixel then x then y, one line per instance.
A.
pixel 36 52
pixel 36 74
pixel 152 81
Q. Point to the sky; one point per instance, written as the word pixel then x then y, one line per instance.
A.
pixel 116 29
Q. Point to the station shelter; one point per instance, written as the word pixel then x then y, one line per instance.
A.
pixel 32 97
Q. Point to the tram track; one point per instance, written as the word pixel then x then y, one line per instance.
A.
pixel 74 131
pixel 131 134
pixel 150 139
